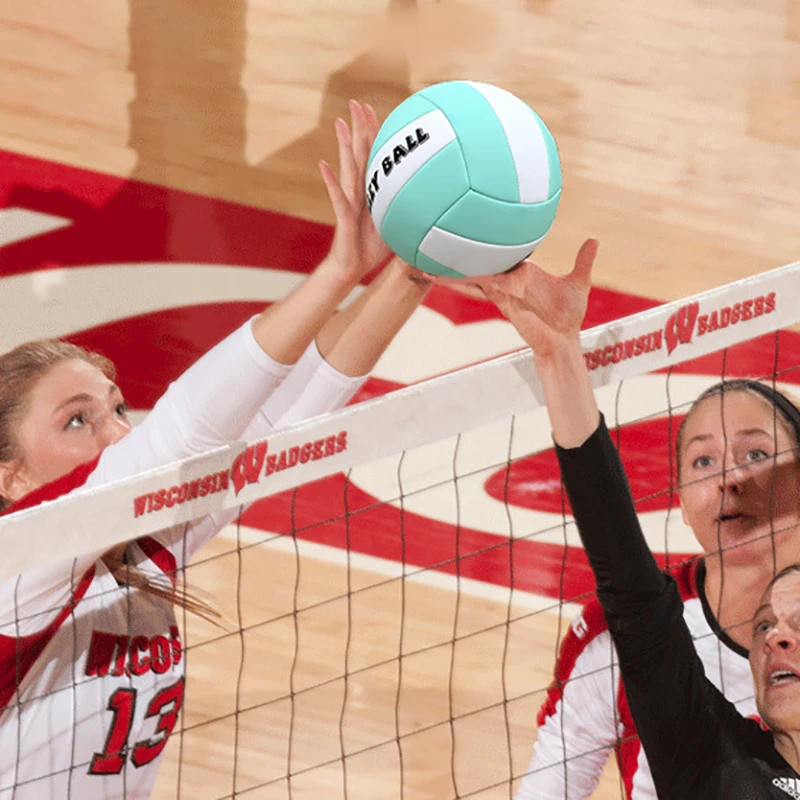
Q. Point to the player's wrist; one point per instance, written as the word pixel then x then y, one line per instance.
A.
pixel 406 281
pixel 336 276
pixel 557 350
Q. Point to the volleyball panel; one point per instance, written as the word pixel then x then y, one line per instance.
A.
pixel 481 137
pixel 495 222
pixel 434 188
pixel 433 267
pixel 468 258
pixel 532 146
pixel 407 112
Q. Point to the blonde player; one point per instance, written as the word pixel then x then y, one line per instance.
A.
pixel 91 659
pixel 741 495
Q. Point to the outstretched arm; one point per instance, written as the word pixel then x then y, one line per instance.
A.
pixel 216 400
pixel 672 703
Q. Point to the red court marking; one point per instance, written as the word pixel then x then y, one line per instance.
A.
pixel 535 482
pixel 375 529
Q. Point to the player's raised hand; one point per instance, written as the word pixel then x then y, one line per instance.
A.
pixel 357 248
pixel 545 309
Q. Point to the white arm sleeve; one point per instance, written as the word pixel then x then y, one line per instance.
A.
pixel 313 387
pixel 210 405
pixel 580 730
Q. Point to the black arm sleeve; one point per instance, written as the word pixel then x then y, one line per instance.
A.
pixel 677 711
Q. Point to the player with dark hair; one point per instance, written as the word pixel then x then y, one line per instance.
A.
pixel 697 743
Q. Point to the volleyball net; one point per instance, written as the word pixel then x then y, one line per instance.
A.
pixel 396 587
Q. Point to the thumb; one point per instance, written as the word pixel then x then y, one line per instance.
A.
pixel 585 260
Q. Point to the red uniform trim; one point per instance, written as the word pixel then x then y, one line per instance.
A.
pixel 160 556
pixel 571 648
pixel 18 655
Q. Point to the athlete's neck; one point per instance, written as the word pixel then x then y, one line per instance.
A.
pixel 787 743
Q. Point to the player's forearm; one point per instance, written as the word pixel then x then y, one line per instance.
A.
pixel 286 328
pixel 376 321
pixel 333 329
pixel 569 395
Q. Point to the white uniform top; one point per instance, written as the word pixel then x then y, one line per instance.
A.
pixel 585 716
pixel 92 673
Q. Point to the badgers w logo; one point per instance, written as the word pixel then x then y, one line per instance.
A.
pixel 789 785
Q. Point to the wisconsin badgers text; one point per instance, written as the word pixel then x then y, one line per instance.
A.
pixel 680 328
pixel 247 467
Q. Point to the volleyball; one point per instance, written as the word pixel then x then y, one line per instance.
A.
pixel 463 180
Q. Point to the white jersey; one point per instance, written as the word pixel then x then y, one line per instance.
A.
pixel 92 673
pixel 585 716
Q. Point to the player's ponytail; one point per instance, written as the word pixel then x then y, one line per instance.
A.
pixel 20 371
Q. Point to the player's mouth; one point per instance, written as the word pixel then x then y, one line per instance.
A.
pixel 728 514
pixel 781 677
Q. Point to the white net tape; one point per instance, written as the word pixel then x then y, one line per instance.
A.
pixel 409 418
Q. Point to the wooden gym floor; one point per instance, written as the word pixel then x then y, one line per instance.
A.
pixel 679 131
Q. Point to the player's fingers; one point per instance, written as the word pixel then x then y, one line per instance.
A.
pixel 469 289
pixel 348 174
pixel 373 123
pixel 496 295
pixel 339 200
pixel 512 281
pixel 361 138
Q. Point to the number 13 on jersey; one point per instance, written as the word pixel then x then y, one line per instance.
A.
pixel 166 705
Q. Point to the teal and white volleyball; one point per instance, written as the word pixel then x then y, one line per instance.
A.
pixel 463 180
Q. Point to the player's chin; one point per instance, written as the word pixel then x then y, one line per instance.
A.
pixel 741 540
pixel 780 708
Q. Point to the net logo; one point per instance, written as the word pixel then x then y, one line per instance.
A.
pixel 254 461
pixel 680 328
pixel 248 467
pixel 738 312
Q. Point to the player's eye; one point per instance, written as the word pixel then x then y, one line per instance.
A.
pixel 76 421
pixel 755 455
pixel 701 462
pixel 122 409
pixel 763 626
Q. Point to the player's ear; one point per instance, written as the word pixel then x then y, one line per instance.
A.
pixel 12 487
